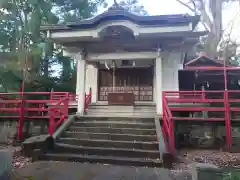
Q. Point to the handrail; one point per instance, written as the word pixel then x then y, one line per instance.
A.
pixel 168 125
pixel 18 105
pixel 62 128
pixel 34 93
pixel 63 114
pixel 225 106
pixel 88 100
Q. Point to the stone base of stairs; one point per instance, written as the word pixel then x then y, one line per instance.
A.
pixel 124 161
pixel 120 141
pixel 138 111
pixel 75 171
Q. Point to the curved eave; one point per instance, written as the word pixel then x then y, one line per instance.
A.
pixel 116 15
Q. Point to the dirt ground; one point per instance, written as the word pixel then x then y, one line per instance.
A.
pixel 186 159
pixel 216 157
pixel 18 160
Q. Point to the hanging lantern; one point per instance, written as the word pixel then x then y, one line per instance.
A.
pixel 239 82
pixel 196 74
pixel 106 65
pixel 113 64
pixel 134 63
pixel 208 84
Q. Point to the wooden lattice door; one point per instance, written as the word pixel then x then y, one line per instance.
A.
pixel 138 81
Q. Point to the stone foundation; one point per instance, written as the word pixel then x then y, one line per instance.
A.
pixel 8 129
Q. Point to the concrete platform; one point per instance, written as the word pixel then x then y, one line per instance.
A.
pixel 78 171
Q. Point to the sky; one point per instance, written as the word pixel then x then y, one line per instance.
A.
pixel 160 7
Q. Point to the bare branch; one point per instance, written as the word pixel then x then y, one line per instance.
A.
pixel 204 14
pixel 231 23
pixel 194 5
pixel 205 26
pixel 186 5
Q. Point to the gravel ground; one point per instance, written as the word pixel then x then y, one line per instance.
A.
pixel 219 158
pixel 186 159
pixel 18 160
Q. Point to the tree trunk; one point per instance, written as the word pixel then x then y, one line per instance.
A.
pixel 216 27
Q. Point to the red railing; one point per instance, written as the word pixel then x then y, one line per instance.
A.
pixel 220 105
pixel 88 100
pixel 167 126
pixel 35 105
pixel 72 96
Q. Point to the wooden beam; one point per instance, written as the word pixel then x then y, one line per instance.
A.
pixel 122 56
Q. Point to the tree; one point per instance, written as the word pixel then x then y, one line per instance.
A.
pixel 75 10
pixel 211 17
pixel 20 22
pixel 133 6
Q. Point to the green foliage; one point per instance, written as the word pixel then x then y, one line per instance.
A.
pixel 75 10
pixel 48 69
pixel 133 6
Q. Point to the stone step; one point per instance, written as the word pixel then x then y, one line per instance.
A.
pixel 125 108
pixel 121 111
pixel 110 143
pixel 122 107
pixel 125 120
pixel 136 131
pixel 123 115
pixel 114 124
pixel 104 151
pixel 116 121
pixel 110 136
pixel 103 159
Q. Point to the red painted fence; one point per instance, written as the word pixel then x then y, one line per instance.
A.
pixel 53 106
pixel 220 103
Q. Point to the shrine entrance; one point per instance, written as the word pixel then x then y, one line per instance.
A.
pixel 135 81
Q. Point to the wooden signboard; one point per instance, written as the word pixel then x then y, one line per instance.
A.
pixel 120 98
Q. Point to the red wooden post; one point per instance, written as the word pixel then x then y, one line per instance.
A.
pixel 164 124
pixel 51 127
pixel 172 134
pixel 66 103
pixel 51 95
pixel 227 120
pixel 85 103
pixel 203 93
pixel 227 109
pixel 90 94
pixel 20 121
pixel 170 122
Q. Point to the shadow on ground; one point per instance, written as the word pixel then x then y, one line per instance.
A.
pixel 78 171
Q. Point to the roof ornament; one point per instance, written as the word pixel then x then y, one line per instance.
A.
pixel 115 6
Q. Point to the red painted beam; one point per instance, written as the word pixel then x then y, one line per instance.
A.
pixel 234 100
pixel 10 101
pixel 234 109
pixel 36 109
pixel 6 117
pixel 197 119
pixel 10 109
pixel 197 109
pixel 178 100
pixel 210 68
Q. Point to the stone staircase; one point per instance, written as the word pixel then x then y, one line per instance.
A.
pixel 122 135
pixel 121 141
pixel 142 111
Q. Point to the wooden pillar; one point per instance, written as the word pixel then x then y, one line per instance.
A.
pixel 81 78
pixel 159 84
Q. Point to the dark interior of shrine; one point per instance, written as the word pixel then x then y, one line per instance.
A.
pixel 211 80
